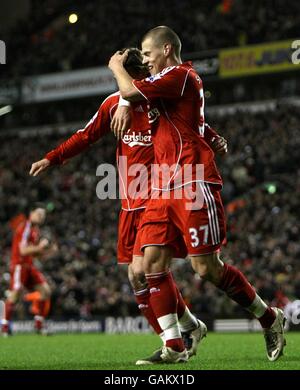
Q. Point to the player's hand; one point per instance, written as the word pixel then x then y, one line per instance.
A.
pixel 121 121
pixel 44 244
pixel 219 145
pixel 52 250
pixel 117 60
pixel 38 167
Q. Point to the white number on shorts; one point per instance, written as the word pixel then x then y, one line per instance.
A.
pixel 194 235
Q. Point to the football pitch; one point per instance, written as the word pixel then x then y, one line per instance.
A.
pixel 119 352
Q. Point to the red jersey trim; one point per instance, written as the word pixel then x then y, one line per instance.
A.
pixel 144 96
pixel 137 208
pixel 185 80
pixel 26 233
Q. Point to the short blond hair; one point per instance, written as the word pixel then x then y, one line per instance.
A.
pixel 162 35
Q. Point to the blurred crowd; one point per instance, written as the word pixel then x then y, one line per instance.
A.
pixel 262 180
pixel 45 42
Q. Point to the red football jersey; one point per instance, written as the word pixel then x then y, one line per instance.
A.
pixel 134 152
pixel 176 114
pixel 25 234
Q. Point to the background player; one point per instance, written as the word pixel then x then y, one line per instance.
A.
pixel 27 245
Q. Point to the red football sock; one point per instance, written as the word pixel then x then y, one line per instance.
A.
pixel 175 344
pixel 44 307
pixel 33 296
pixel 163 296
pixel 180 301
pixel 143 300
pixel 163 300
pixel 236 286
pixel 266 321
pixel 35 307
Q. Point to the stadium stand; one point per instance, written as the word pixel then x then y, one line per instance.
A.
pixel 50 44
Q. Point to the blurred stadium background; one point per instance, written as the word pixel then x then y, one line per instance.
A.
pixel 53 81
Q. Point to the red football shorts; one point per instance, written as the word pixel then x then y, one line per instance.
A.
pixel 163 234
pixel 129 237
pixel 127 231
pixel 25 275
pixel 201 223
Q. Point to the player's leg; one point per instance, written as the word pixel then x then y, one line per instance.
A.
pixel 18 276
pixel 34 298
pixel 206 262
pixel 142 294
pixel 187 321
pixel 129 253
pixel 12 298
pixel 163 300
pixel 42 306
pixel 38 282
pixel 159 232
pixel 234 283
pixel 143 297
pixel 192 329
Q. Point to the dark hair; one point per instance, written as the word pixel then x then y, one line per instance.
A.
pixel 134 63
pixel 162 35
pixel 33 206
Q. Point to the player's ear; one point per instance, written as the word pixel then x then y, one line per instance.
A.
pixel 167 49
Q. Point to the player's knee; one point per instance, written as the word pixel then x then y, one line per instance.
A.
pixel 156 259
pixel 200 267
pixel 13 296
pixel 209 267
pixel 138 281
pixel 136 267
pixel 45 291
pixel 136 278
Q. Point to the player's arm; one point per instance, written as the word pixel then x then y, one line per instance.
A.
pixel 121 120
pixel 124 80
pixel 68 149
pixel 214 140
pixel 33 250
pixel 170 83
pixel 77 143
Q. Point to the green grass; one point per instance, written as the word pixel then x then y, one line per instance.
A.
pixel 119 352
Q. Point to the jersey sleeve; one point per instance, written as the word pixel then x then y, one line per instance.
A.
pixel 98 126
pixel 170 83
pixel 23 234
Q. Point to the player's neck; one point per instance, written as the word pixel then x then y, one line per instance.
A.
pixel 173 61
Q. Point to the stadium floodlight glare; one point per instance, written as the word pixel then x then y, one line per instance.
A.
pixel 271 188
pixel 73 18
pixel 5 110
